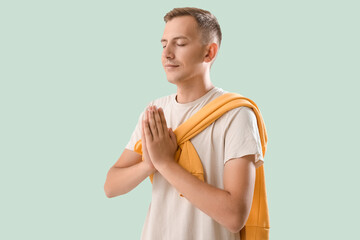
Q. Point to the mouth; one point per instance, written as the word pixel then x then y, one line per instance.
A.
pixel 170 66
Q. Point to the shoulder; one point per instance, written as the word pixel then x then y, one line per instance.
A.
pixel 241 113
pixel 241 110
pixel 237 119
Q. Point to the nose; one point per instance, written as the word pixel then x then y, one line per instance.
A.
pixel 167 52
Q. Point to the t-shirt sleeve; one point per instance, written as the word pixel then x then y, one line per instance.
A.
pixel 136 135
pixel 242 135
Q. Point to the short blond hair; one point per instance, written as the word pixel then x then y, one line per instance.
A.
pixel 207 23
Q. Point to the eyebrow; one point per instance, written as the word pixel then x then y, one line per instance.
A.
pixel 178 37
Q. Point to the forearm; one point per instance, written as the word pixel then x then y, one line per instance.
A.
pixel 122 180
pixel 215 202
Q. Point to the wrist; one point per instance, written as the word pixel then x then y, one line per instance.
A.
pixel 163 165
pixel 149 169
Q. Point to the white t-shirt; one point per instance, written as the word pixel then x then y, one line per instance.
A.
pixel 233 135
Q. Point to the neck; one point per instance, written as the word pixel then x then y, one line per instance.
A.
pixel 192 91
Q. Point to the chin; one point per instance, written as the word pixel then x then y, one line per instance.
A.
pixel 175 79
pixel 171 80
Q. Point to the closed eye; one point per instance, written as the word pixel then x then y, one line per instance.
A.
pixel 178 45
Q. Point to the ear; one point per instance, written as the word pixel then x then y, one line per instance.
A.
pixel 211 51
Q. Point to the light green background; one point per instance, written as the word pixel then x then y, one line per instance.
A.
pixel 75 76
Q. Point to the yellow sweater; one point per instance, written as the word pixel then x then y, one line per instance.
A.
pixel 257 225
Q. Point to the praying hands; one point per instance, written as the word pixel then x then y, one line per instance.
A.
pixel 159 143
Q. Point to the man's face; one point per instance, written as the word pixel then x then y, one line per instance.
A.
pixel 182 50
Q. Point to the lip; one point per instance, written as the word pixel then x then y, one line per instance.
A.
pixel 171 66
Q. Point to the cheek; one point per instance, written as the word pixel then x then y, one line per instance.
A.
pixel 190 56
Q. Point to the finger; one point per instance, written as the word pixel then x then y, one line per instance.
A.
pixel 152 123
pixel 173 136
pixel 158 122
pixel 148 134
pixel 143 140
pixel 163 120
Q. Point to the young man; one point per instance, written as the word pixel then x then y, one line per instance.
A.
pixel 229 148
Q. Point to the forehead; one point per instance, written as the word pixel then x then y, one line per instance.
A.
pixel 185 26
